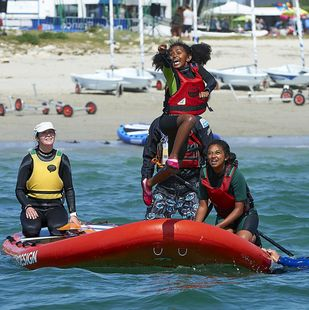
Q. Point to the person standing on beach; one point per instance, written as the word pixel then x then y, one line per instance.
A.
pixel 188 88
pixel 223 187
pixel 188 17
pixel 177 22
pixel 178 192
pixel 44 178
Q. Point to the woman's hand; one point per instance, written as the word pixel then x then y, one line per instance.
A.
pixel 74 219
pixel 233 216
pixel 201 211
pixel 31 213
pixel 273 255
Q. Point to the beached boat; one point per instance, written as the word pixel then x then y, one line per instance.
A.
pixel 159 78
pixel 133 133
pixel 240 76
pixel 102 81
pixel 290 74
pixel 133 78
pixel 161 242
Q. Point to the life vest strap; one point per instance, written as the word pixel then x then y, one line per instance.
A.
pixel 181 108
pixel 195 138
pixel 44 192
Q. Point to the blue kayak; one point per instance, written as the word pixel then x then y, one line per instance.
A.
pixel 133 133
pixel 137 133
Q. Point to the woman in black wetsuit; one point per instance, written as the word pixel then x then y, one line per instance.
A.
pixel 44 178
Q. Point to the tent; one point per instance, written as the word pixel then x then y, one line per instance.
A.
pixel 267 11
pixel 230 8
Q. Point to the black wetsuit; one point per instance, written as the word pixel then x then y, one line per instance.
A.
pixel 174 188
pixel 202 132
pixel 52 213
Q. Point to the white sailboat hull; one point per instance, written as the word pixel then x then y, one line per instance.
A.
pixel 103 81
pixel 134 78
pixel 240 76
pixel 289 75
pixel 158 75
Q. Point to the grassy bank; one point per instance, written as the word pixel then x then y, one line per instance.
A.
pixel 94 40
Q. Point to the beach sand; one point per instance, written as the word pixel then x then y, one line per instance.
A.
pixel 50 73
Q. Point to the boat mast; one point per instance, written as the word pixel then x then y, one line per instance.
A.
pixel 195 37
pixel 253 30
pixel 300 33
pixel 141 32
pixel 111 33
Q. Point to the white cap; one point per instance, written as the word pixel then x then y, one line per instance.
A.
pixel 42 127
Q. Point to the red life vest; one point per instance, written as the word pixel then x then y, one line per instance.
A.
pixel 186 100
pixel 223 202
pixel 192 156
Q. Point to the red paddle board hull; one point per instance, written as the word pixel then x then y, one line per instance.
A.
pixel 162 242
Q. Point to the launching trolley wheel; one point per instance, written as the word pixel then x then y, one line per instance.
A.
pixel 299 99
pixel 159 85
pixel 45 109
pixel 286 88
pixel 286 95
pixel 67 110
pixel 77 89
pixel 18 104
pixel 59 107
pixel 91 107
pixel 2 110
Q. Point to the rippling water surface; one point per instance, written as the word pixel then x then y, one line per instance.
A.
pixel 107 184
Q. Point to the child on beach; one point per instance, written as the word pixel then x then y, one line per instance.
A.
pixel 188 86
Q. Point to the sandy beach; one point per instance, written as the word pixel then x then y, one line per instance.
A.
pixel 50 73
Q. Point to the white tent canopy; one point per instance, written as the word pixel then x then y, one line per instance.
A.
pixel 267 11
pixel 230 8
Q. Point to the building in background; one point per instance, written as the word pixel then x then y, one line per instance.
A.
pixel 21 12
pixel 80 8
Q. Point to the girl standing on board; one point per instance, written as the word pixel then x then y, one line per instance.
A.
pixel 186 95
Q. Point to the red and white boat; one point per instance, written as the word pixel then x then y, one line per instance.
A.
pixel 161 242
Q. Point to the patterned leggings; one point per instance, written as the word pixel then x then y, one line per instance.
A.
pixel 165 204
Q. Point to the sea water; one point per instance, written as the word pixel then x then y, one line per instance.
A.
pixel 107 184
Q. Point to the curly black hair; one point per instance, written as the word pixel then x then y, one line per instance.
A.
pixel 200 53
pixel 226 149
